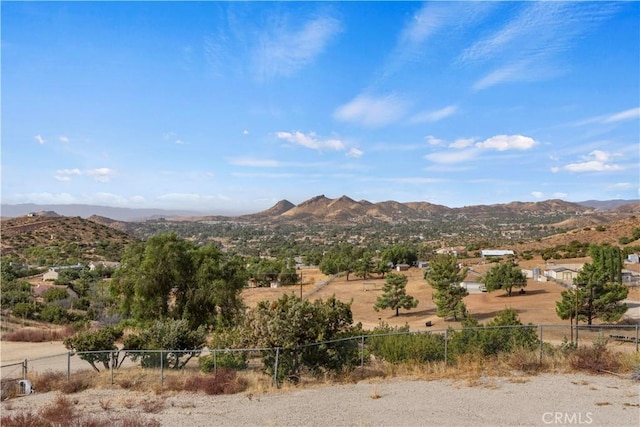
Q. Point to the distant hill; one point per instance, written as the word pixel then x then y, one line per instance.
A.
pixel 608 204
pixel 85 211
pixel 60 238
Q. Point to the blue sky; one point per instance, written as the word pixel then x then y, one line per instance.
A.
pixel 229 107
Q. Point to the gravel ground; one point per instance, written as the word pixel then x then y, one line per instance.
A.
pixel 547 399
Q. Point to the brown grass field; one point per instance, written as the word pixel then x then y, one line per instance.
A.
pixel 536 306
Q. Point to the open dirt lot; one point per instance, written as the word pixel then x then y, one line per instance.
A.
pixel 515 401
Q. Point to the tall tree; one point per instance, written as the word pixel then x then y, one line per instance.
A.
pixel 171 278
pixel 395 295
pixel 444 275
pixel 505 275
pixel 599 292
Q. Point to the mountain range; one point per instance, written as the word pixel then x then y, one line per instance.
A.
pixel 343 209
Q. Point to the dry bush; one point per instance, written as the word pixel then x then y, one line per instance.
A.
pixel 594 359
pixel 224 381
pixel 152 406
pixel 60 412
pixel 23 419
pixel 137 420
pixel 523 360
pixel 48 381
pixel 76 384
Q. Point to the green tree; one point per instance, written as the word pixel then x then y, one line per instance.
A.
pixel 295 326
pixel 96 346
pixel 203 284
pixel 599 292
pixel 395 295
pixel 55 294
pixel 175 336
pixel 364 266
pixel 505 275
pixel 444 275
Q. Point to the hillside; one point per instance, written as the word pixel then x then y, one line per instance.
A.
pixel 51 237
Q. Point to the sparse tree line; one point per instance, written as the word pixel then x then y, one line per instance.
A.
pixel 171 293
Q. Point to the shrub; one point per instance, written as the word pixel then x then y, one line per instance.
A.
pixel 38 335
pixel 404 347
pixel 231 360
pixel 53 314
pixel 595 359
pixel 24 310
pixel 224 381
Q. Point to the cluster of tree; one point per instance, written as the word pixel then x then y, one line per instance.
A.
pixel 170 278
pixel 267 270
pixel 635 235
pixel 598 290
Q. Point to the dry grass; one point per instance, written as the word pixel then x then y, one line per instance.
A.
pixel 38 335
pixel 375 394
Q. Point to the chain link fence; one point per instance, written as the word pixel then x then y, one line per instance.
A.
pixel 434 345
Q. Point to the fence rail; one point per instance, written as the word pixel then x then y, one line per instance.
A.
pixel 624 337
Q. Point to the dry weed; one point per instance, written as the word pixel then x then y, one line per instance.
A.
pixel 152 406
pixel 105 404
pixel 375 394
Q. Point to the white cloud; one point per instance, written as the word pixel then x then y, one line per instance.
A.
pixel 355 153
pixel 452 156
pixel 432 140
pixel 39 139
pixel 371 111
pixel 537 194
pixel 507 142
pixel 251 162
pixel 462 143
pixel 245 132
pixel 99 174
pixel 526 48
pixel 63 138
pixel 283 51
pixel 434 116
pixel 560 195
pixel 633 113
pixel 311 141
pixel 596 161
pixel 179 142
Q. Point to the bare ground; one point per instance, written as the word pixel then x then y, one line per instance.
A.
pixel 548 399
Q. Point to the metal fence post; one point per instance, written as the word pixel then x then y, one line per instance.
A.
pixel 161 369
pixel 540 344
pixel 24 369
pixel 446 339
pixel 275 370
pixel 636 338
pixel 68 365
pixel 111 366
pixel 362 352
pixel 215 361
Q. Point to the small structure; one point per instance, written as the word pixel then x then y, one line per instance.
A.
pixel 402 267
pixel 493 253
pixel 106 264
pixel 562 274
pixel 633 258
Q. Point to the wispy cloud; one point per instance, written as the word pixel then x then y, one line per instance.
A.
pixel 39 139
pixel 527 48
pixel 372 111
pixel 537 194
pixel 63 138
pixel 630 114
pixel 452 156
pixel 282 50
pixel 100 174
pixel 596 161
pixel 434 116
pixel 259 163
